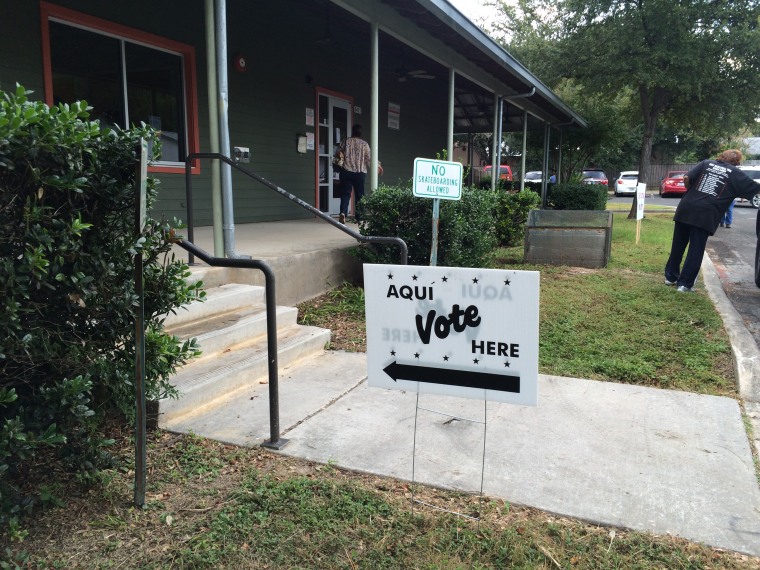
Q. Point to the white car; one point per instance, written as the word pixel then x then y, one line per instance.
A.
pixel 625 185
pixel 753 171
pixel 533 176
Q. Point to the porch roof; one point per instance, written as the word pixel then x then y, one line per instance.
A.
pixel 474 111
pixel 474 105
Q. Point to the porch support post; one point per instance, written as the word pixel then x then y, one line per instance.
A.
pixel 524 147
pixel 497 168
pixel 559 155
pixel 450 133
pixel 374 106
pixel 495 145
pixel 545 165
pixel 213 131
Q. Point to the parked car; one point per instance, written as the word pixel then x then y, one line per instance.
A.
pixel 672 184
pixel 626 183
pixel 505 172
pixel 594 176
pixel 754 173
pixel 534 176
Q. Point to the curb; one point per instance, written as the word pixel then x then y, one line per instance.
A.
pixel 746 354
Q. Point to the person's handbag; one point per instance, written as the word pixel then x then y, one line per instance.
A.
pixel 338 160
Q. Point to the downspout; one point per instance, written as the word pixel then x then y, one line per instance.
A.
pixel 525 131
pixel 374 106
pixel 224 128
pixel 213 113
pixel 450 139
pixel 559 153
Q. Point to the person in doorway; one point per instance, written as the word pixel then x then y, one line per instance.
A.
pixel 728 217
pixel 356 159
pixel 711 188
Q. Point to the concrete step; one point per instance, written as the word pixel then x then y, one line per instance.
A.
pixel 222 299
pixel 227 330
pixel 211 276
pixel 205 380
pixel 306 387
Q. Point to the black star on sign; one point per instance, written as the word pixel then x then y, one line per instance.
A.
pixel 446 358
pixel 475 280
pixel 507 282
pixel 393 353
pixel 414 278
pixel 506 364
pixel 390 276
pixel 444 279
pixel 475 360
pixel 416 354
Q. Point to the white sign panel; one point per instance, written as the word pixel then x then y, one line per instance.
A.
pixel 462 332
pixel 641 194
pixel 437 179
pixel 394 116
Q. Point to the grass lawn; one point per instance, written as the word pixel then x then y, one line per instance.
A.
pixel 620 323
pixel 211 505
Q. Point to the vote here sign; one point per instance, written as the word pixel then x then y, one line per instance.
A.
pixel 464 332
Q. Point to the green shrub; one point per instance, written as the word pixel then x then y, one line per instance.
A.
pixel 466 235
pixel 578 196
pixel 67 299
pixel 511 215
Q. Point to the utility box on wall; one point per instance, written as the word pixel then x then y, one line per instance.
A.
pixel 580 238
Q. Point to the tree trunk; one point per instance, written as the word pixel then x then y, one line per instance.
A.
pixel 651 107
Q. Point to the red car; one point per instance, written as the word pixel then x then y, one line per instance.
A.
pixel 673 183
pixel 505 172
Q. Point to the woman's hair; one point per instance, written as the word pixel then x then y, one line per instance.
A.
pixel 356 131
pixel 731 156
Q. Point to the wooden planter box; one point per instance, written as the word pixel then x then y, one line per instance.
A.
pixel 580 238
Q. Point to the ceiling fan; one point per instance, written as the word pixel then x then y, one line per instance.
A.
pixel 403 74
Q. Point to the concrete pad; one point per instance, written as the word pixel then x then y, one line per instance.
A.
pixel 641 458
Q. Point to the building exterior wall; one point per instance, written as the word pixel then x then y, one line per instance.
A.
pixel 267 102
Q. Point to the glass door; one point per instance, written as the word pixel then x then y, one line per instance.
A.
pixel 334 126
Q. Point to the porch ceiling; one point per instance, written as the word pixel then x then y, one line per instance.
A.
pixel 474 107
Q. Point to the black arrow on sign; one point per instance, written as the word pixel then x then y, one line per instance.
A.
pixel 465 378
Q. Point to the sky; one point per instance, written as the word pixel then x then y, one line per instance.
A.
pixel 474 9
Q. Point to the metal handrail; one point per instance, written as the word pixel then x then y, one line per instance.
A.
pixel 215 155
pixel 275 441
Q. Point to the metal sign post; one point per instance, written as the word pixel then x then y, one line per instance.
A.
pixel 434 245
pixel 141 185
pixel 641 194
pixel 437 179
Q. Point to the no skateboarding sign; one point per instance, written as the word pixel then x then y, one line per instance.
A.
pixel 465 332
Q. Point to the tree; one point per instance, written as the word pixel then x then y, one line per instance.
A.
pixel 693 63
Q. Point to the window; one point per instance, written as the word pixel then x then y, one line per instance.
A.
pixel 127 76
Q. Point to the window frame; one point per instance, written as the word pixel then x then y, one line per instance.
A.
pixel 96 25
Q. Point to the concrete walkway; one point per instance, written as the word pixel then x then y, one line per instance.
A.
pixel 647 459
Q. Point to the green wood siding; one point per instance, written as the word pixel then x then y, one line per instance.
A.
pixel 267 103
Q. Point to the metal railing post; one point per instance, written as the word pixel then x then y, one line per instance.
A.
pixel 275 441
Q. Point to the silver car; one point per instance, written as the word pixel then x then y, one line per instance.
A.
pixel 753 171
